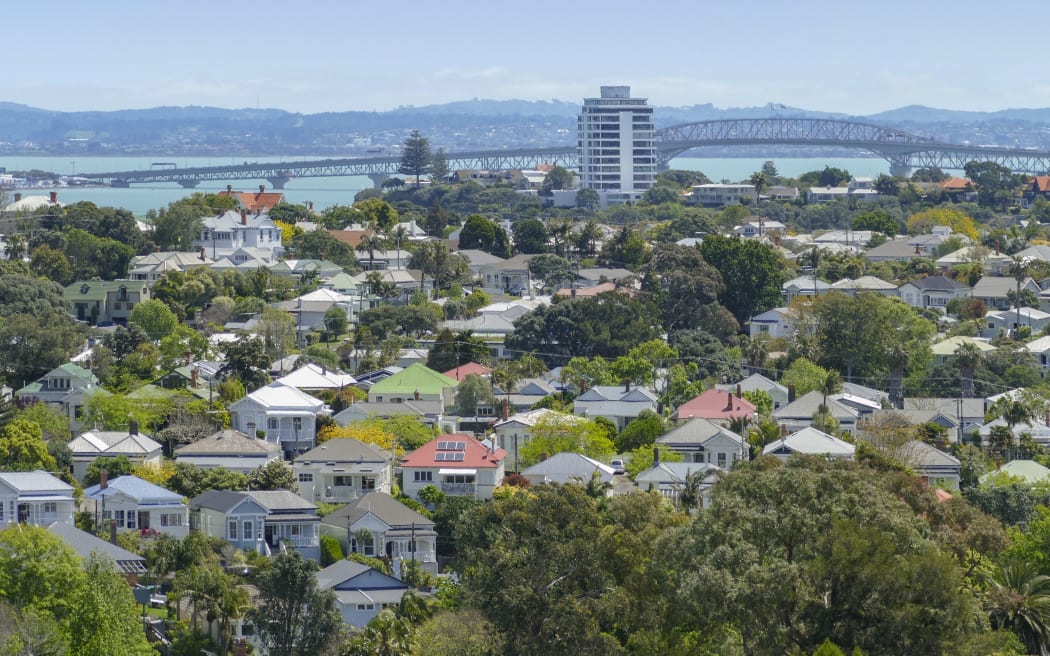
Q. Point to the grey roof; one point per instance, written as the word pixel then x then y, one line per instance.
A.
pixel 936 283
pixel 85 544
pixel 894 249
pixel 921 454
pixel 144 492
pixel 568 467
pixel 999 286
pixel 384 589
pixel 947 406
pixel 755 382
pixel 35 481
pixel 344 450
pixel 673 472
pixel 413 408
pixel 221 500
pixel 339 572
pixel 697 431
pixel 391 511
pixel 228 442
pixel 279 500
pixel 807 405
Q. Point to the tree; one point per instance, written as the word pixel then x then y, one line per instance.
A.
pixel 51 264
pixel 293 617
pixel 760 181
pixel 754 269
pixel 463 632
pixel 687 290
pixel 956 219
pixel 106 621
pixel 247 361
pixel 415 156
pixel 39 570
pixel 566 433
pixel 113 465
pixel 551 270
pixel 22 448
pixel 375 213
pixel 804 376
pixel 439 171
pixel 557 178
pixel 530 236
pixel 471 392
pixel 588 199
pixel 990 178
pixel 1018 597
pixel 191 481
pixel 155 318
pixel 335 322
pixel 274 475
pixel 175 228
pixel 877 220
pixel 642 431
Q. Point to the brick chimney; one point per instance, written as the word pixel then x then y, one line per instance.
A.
pixel 188 357
pixel 229 189
pixel 103 479
pixel 133 427
pixel 244 217
pixel 262 189
pixel 656 456
pixel 504 410
pixel 18 197
pixel 54 197
pixel 739 393
pixel 543 456
pixel 202 255
pixel 729 402
pixel 194 378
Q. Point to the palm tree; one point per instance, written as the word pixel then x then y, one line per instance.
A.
pixel 370 244
pixel 829 383
pixel 969 357
pixel 1018 600
pixel 755 354
pixel 763 432
pixel 1019 270
pixel 898 359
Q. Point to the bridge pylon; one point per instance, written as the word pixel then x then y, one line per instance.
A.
pixel 378 179
pixel 278 182
pixel 900 168
pixel 188 184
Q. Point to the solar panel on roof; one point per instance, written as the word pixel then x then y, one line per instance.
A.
pixel 457 446
pixel 459 457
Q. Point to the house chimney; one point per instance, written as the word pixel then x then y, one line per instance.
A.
pixel 18 196
pixel 656 456
pixel 415 395
pixel 103 479
pixel 504 410
pixel 543 456
pixel 783 430
pixel 244 217
pixel 739 393
pixel 229 189
pixel 627 386
pixel 133 427
pixel 202 255
pixel 729 402
pixel 194 378
pixel 188 356
pixel 262 188
pixel 791 393
pixel 996 246
pixel 54 197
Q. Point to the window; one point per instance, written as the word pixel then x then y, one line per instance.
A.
pixel 722 459
pixel 132 517
pixel 297 423
pixel 273 423
pixel 423 476
pixel 362 607
pixel 306 478
pixel 368 483
pixel 171 519
pixel 50 507
pixel 343 481
pixel 248 531
pixel 232 534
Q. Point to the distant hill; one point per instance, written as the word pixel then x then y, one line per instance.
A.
pixel 461 125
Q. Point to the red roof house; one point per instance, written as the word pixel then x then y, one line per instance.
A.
pixel 457 464
pixel 464 370
pixel 716 405
pixel 262 201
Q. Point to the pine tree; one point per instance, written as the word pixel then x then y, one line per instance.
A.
pixel 415 156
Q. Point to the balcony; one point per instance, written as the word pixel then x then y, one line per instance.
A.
pixel 460 489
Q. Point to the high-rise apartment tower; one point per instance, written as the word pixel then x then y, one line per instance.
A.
pixel 617 157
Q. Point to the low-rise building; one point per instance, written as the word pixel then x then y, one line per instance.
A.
pixel 720 194
pixel 36 498
pixel 99 301
pixel 379 525
pixel 932 292
pixel 811 442
pixel 137 505
pixel 702 440
pixel 229 449
pixel 91 445
pixel 360 591
pixel 1007 322
pixel 342 470
pixel 569 469
pixel 281 414
pixel 620 404
pixel 456 464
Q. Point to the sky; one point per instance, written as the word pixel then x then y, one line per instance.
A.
pixel 340 55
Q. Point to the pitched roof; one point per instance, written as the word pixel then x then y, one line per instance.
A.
pixel 312 376
pixel 344 449
pixel 388 509
pixel 221 500
pixel 414 378
pixel 672 472
pixel 113 443
pixel 715 404
pixel 342 571
pixel 1041 182
pixel 279 500
pixel 1028 470
pixel 568 468
pixel 921 454
pixel 810 441
pixel 955 184
pixel 85 544
pixel 259 201
pixel 809 404
pixel 437 452
pixel 697 431
pixel 464 370
pixel 949 346
pixel 143 491
pixel 35 481
pixel 755 382
pixel 280 395
pixel 229 442
pixel 936 284
pixel 533 417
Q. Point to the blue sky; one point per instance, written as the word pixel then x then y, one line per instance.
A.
pixel 329 55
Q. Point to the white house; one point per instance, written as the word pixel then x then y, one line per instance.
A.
pixel 229 449
pixel 379 525
pixel 317 377
pixel 290 522
pixel 360 591
pixel 803 286
pixel 669 478
pixel 1005 322
pixel 932 292
pixel 618 403
pixel 568 468
pixel 342 470
pixel 456 464
pixel 36 498
pixel 759 383
pixel 137 505
pixel 702 440
pixel 934 466
pixel 810 441
pixel 798 414
pixel 226 234
pixel 139 449
pixel 231 516
pixel 718 194
pixel 778 322
pixel 283 414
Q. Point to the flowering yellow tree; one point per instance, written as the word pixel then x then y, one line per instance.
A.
pixel 957 220
pixel 364 431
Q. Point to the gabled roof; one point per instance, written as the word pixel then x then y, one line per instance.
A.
pixel 1040 183
pixel 1028 470
pixel 808 404
pixel 697 432
pixel 533 417
pixel 341 575
pixel 344 449
pixel 312 376
pixel 436 453
pixel 389 510
pixel 949 346
pixel 259 201
pixel 229 443
pixel 414 378
pixel 1032 314
pixel 280 500
pixel 864 283
pixel 221 500
pixel 755 382
pixel 113 443
pixel 617 393
pixel 673 472
pixel 716 404
pixel 999 286
pixel 35 482
pixel 278 395
pixel 144 492
pixel 569 468
pixel 921 454
pixel 936 284
pixel 464 370
pixel 810 441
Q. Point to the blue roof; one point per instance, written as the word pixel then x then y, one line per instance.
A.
pixel 146 493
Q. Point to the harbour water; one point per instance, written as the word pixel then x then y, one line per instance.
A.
pixel 325 192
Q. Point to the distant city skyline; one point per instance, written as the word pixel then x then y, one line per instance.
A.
pixel 333 56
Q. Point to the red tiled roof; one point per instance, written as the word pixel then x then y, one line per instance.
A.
pixel 475 455
pixel 943 495
pixel 350 237
pixel 1041 183
pixel 464 370
pixel 955 184
pixel 255 202
pixel 716 404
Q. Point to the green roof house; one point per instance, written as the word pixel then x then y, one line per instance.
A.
pixel 105 300
pixel 65 388
pixel 416 382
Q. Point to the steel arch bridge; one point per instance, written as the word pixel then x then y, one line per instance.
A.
pixel 904 151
